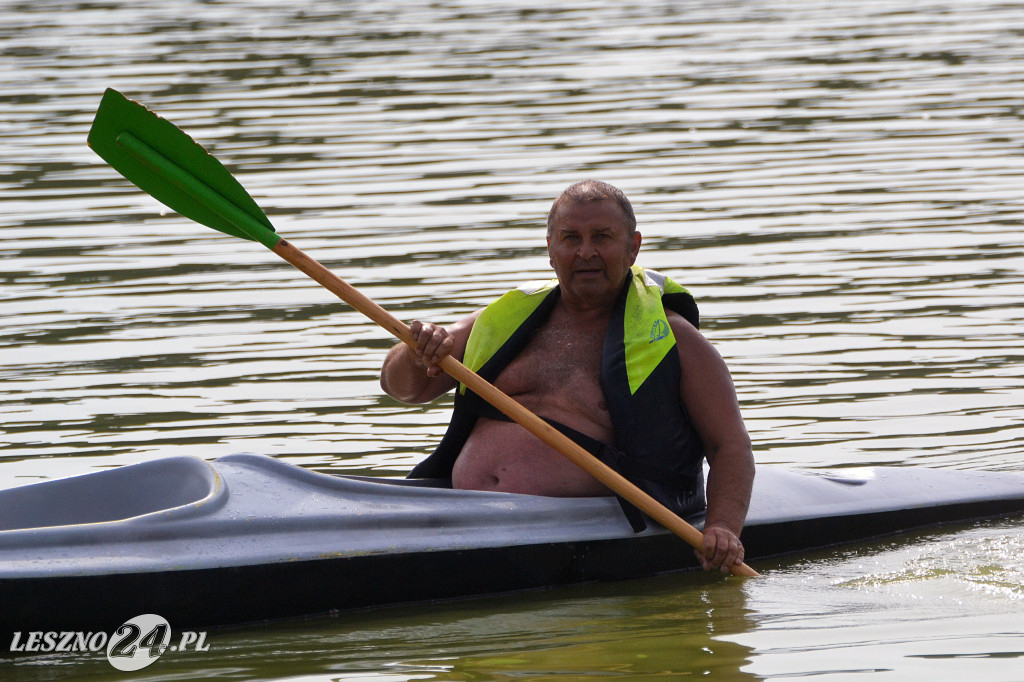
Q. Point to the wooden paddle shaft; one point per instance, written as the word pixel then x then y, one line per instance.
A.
pixel 534 424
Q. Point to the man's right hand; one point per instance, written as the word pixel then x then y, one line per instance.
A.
pixel 412 374
pixel 433 343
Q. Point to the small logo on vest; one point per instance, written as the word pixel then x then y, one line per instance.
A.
pixel 659 330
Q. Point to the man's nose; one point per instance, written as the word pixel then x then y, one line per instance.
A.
pixel 586 249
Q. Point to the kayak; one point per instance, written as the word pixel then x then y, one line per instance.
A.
pixel 248 538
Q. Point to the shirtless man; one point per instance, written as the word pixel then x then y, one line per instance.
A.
pixel 592 242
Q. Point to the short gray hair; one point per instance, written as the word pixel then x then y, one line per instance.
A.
pixel 585 191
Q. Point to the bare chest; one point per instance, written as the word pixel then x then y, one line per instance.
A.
pixel 559 361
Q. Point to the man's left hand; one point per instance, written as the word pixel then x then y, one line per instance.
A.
pixel 721 549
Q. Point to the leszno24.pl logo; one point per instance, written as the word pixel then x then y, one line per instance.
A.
pixel 133 646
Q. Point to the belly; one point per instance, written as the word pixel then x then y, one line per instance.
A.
pixel 504 456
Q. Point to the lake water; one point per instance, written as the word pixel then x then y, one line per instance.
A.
pixel 838 183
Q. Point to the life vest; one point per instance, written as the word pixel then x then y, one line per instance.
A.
pixel 656 447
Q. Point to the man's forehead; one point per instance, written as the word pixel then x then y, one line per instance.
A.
pixel 606 210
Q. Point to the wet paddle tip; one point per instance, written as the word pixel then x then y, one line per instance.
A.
pixel 744 571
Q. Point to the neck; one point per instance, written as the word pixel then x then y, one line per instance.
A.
pixel 586 312
pixel 590 308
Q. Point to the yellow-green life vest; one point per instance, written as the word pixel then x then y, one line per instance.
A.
pixel 648 336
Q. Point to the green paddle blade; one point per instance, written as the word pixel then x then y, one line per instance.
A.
pixel 163 161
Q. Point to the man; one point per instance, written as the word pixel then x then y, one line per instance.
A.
pixel 612 357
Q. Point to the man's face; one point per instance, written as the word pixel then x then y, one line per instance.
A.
pixel 591 251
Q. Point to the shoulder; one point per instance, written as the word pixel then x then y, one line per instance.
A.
pixel 706 387
pixel 696 353
pixel 681 327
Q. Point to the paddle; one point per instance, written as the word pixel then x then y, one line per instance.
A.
pixel 162 160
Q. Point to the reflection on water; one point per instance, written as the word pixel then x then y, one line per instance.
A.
pixel 928 606
pixel 838 184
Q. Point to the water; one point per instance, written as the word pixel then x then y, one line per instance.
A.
pixel 837 183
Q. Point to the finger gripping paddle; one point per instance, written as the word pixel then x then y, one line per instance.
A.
pixel 160 159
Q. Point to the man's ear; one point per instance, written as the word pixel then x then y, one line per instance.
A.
pixel 637 239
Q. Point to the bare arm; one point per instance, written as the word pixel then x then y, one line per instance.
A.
pixel 710 398
pixel 412 375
